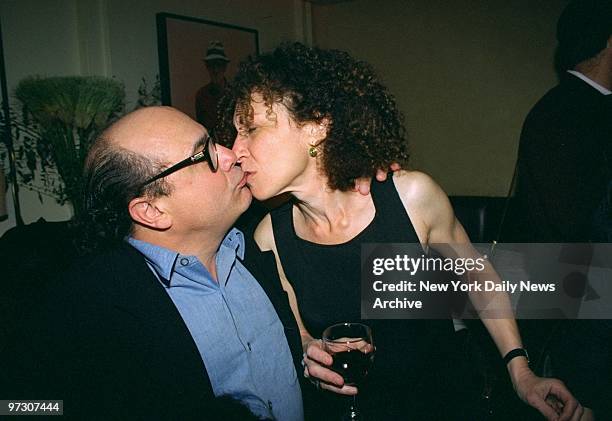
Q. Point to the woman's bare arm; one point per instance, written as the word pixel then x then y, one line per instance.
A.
pixel 436 225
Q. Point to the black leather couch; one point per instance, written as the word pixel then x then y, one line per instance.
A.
pixel 480 216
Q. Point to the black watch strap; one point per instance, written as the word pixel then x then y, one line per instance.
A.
pixel 517 352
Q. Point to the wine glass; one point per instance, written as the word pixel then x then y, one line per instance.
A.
pixel 351 346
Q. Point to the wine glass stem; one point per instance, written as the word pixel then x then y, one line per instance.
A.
pixel 354 410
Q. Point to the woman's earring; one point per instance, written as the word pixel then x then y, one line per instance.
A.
pixel 312 151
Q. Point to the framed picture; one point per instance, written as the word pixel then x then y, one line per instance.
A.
pixel 197 58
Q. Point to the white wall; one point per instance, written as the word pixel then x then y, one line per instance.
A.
pixel 116 38
pixel 464 72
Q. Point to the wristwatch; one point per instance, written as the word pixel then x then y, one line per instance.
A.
pixel 517 352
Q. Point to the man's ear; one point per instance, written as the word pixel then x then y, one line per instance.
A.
pixel 146 212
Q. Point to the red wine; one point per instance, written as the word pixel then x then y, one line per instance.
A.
pixel 352 365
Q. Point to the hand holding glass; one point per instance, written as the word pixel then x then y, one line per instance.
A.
pixel 351 346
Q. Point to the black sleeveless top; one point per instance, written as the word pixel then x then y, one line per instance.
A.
pixel 410 354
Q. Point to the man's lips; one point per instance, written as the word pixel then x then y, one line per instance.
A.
pixel 242 181
pixel 248 175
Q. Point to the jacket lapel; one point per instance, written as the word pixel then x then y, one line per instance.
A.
pixel 172 348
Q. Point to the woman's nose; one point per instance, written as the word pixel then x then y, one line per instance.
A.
pixel 240 146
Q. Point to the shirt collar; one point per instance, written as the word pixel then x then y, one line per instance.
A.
pixel 235 241
pixel 163 260
pixel 594 84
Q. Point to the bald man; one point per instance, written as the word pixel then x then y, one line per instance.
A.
pixel 174 310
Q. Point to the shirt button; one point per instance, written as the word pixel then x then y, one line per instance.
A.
pixel 184 261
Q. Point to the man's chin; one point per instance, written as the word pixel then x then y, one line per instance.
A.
pixel 246 197
pixel 248 200
pixel 240 206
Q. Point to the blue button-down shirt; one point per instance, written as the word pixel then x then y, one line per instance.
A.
pixel 235 327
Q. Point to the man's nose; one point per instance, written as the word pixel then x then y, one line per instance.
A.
pixel 227 158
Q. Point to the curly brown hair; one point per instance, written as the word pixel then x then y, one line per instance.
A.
pixel 365 128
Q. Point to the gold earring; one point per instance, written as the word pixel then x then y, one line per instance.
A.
pixel 312 151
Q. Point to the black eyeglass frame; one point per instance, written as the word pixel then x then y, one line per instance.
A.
pixel 204 154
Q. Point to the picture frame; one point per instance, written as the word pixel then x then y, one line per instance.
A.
pixel 183 44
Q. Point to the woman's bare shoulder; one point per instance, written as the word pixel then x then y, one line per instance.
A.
pixel 427 204
pixel 416 186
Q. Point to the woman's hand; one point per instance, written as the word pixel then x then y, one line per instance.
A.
pixel 549 396
pixel 362 185
pixel 316 362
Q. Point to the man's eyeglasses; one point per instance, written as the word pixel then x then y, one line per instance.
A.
pixel 208 154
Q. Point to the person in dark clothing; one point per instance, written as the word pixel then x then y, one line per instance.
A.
pixel 310 122
pixel 564 172
pixel 563 159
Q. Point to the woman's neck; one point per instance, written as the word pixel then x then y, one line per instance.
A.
pixel 327 216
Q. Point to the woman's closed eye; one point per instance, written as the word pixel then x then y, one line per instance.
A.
pixel 246 131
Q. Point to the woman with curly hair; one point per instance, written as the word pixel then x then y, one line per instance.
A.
pixel 310 122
